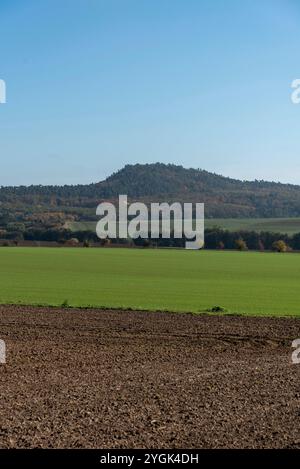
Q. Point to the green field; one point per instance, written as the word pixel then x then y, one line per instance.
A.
pixel 288 226
pixel 175 280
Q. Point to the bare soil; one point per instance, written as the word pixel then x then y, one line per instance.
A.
pixel 130 379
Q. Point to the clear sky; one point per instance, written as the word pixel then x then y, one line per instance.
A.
pixel 95 84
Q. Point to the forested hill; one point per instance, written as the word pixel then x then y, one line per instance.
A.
pixel 224 197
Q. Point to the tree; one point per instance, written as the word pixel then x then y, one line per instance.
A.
pixel 279 246
pixel 261 246
pixel 241 245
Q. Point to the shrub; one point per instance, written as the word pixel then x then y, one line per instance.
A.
pixel 72 242
pixel 105 242
pixel 216 309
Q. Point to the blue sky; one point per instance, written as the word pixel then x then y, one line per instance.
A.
pixel 95 84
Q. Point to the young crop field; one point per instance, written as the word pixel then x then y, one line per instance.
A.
pixel 288 226
pixel 174 280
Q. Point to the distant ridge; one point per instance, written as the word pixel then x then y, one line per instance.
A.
pixel 223 196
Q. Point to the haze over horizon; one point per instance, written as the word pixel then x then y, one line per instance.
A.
pixel 198 84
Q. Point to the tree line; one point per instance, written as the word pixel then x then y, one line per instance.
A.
pixel 215 238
